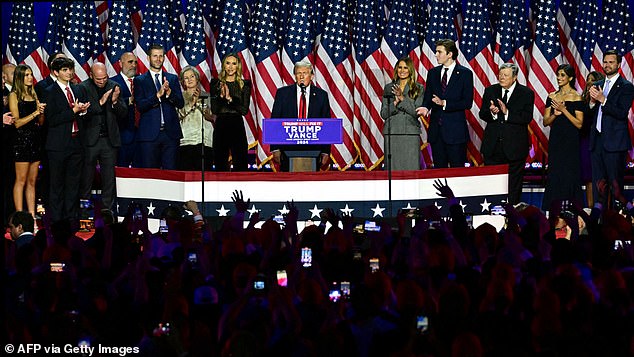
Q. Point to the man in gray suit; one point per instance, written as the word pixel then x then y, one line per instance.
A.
pixel 99 132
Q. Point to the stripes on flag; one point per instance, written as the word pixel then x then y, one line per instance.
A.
pixel 23 45
pixel 368 83
pixel 334 73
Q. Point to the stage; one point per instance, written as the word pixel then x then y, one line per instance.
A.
pixel 359 193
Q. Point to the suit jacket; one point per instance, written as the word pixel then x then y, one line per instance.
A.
pixel 401 119
pixel 614 120
pixel 449 123
pixel 514 131
pixel 285 106
pixel 127 127
pixel 150 107
pixel 90 126
pixel 40 87
pixel 60 116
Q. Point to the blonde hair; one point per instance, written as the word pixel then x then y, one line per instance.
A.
pixel 223 73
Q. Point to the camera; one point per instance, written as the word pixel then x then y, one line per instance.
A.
pixel 565 212
pixel 192 257
pixel 422 323
pixel 163 226
pixel 498 211
pixel 374 265
pixel 307 257
pixel 163 329
pixel 137 215
pixel 282 279
pixel 345 289
pixel 371 226
pixel 414 213
pixel 279 219
pixel 85 204
pixel 57 267
pixel 258 283
pixel 434 224
pixel 335 293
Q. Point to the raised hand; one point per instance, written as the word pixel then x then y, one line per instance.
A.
pixel 422 111
pixel 166 87
pixel 104 97
pixel 238 201
pixel 115 94
pixel 493 108
pixel 443 189
pixel 503 107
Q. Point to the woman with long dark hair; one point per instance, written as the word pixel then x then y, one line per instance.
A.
pixel 29 116
pixel 564 114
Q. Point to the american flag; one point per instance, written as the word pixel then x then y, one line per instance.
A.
pixel 211 16
pixel 55 31
pixel 22 44
pixel 156 31
pixel 176 23
pixel 513 36
pixel 368 83
pixel 266 76
pixel 232 39
pixel 542 77
pixel 83 43
pixel 441 25
pixel 475 53
pixel 577 31
pixel 400 38
pixel 616 32
pixel 334 73
pixel 103 14
pixel 136 17
pixel 298 43
pixel 121 35
pixel 194 52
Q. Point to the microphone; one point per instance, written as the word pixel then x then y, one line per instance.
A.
pixel 302 86
pixel 389 94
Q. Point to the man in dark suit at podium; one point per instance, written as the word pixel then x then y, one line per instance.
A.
pixel 507 107
pixel 300 100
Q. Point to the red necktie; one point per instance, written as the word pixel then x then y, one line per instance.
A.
pixel 137 115
pixel 302 104
pixel 71 103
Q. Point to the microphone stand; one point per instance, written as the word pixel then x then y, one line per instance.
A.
pixel 389 96
pixel 203 98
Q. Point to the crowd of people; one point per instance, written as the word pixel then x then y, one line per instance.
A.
pixel 432 286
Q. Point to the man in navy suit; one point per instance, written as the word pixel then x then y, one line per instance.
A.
pixel 21 226
pixel 127 125
pixel 157 95
pixel 610 102
pixel 50 79
pixel 507 107
pixel 447 96
pixel 288 102
pixel 66 106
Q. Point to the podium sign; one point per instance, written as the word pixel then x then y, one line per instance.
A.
pixel 311 131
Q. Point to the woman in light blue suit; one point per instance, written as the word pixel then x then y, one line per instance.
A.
pixel 402 128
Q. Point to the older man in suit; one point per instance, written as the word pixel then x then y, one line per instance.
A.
pixel 66 106
pixel 300 100
pixel 127 125
pixel 507 107
pixel 157 95
pixel 447 96
pixel 610 101
pixel 99 132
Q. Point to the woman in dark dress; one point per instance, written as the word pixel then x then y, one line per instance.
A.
pixel 584 139
pixel 29 116
pixel 230 99
pixel 564 114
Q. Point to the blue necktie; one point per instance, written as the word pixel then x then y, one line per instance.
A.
pixel 158 88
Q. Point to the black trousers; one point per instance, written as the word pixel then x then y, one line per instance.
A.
pixel 65 176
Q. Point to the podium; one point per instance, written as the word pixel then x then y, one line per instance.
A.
pixel 300 139
pixel 302 160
